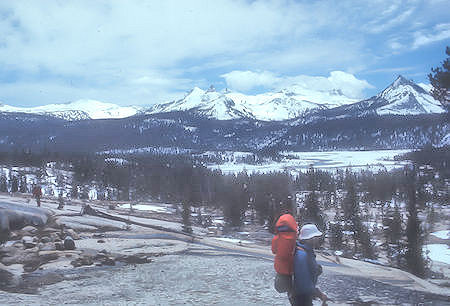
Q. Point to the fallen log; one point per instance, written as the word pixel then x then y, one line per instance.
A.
pixel 88 210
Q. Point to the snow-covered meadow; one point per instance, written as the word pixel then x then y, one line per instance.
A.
pixel 331 160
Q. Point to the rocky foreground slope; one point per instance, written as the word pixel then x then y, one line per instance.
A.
pixel 37 266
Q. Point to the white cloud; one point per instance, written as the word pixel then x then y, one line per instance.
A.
pixel 439 32
pixel 399 70
pixel 391 17
pixel 143 49
pixel 395 45
pixel 346 82
pixel 247 80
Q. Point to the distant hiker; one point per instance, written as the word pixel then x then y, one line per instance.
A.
pixel 306 269
pixel 37 194
pixel 283 246
pixel 60 201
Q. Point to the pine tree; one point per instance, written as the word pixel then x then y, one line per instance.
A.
pixel 186 214
pixel 352 215
pixel 414 258
pixel 312 210
pixel 200 217
pixel 440 80
pixel 23 184
pixel 366 243
pixel 336 232
pixel 14 183
pixel 351 208
pixel 74 191
pixel 3 183
pixel 392 225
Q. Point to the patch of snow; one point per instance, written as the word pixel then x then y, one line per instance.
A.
pixel 232 240
pixel 438 252
pixel 93 194
pixel 217 221
pixel 442 234
pixel 426 87
pixel 145 207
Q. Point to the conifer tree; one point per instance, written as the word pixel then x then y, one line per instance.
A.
pixel 392 231
pixel 23 188
pixel 74 190
pixel 336 232
pixel 352 215
pixel 414 258
pixel 440 80
pixel 186 214
pixel 3 183
pixel 14 183
pixel 312 210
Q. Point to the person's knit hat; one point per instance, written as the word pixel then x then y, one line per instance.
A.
pixel 309 231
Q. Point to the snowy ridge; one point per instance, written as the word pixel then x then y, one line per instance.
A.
pixel 407 98
pixel 209 103
pixel 77 110
pixel 402 97
pixel 286 104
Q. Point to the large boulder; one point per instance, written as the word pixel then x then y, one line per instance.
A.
pixel 70 232
pixel 69 244
pixel 17 216
pixel 28 242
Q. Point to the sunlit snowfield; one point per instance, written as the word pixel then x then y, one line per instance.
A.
pixel 331 160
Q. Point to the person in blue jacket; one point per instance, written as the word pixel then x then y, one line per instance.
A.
pixel 306 269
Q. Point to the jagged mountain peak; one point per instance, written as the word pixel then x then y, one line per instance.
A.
pixel 209 103
pixel 402 82
pixel 211 89
pixel 402 97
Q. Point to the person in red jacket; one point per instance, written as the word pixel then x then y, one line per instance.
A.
pixel 37 193
pixel 283 246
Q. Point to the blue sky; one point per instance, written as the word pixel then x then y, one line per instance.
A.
pixel 145 52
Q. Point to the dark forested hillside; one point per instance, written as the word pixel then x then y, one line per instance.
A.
pixel 189 131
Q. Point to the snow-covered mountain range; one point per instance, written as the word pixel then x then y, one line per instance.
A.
pixel 286 104
pixel 78 110
pixel 402 97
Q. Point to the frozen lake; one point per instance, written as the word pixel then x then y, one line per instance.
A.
pixel 331 160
